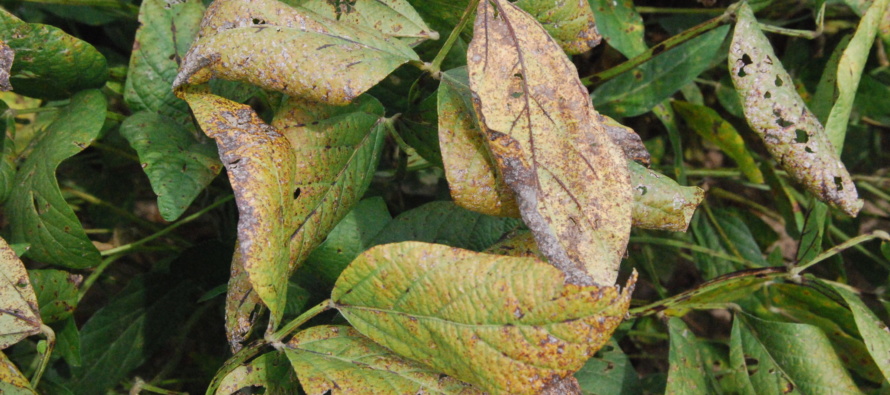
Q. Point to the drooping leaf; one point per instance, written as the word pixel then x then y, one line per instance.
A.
pixel 166 32
pixel 570 23
pixel 849 71
pixel 659 202
pixel 270 370
pixel 12 381
pixel 569 179
pixel 290 50
pixel 874 331
pixel 713 128
pixel 776 112
pixel 620 25
pixel 685 375
pixel 56 293
pixel 392 18
pixel 38 214
pixel 19 314
pixel 328 358
pixel 609 372
pixel 49 63
pixel 639 90
pixel 178 166
pixel 505 324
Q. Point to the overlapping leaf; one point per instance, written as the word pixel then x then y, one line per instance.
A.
pixel 328 358
pixel 505 324
pixel 661 203
pixel 392 18
pixel 7 57
pixel 38 213
pixel 569 179
pixel 56 293
pixel 685 375
pixel 609 372
pixel 776 112
pixel 49 63
pixel 874 331
pixel 292 50
pixel 270 370
pixel 19 314
pixel 621 25
pixel 570 23
pixel 12 381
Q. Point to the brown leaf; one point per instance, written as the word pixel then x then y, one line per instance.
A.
pixel 7 55
pixel 570 180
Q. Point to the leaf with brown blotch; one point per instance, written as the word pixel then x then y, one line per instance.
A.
pixel 290 50
pixel 243 305
pixel 775 111
pixel 626 139
pixel 506 324
pixel 570 23
pixel 19 314
pixel 570 180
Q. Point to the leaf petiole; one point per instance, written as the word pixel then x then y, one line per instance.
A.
pixel 275 338
pixel 878 234
pixel 44 360
pixel 434 68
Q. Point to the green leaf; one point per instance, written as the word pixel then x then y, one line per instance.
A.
pixel 849 71
pixel 505 324
pixel 659 202
pixel 39 214
pixel 752 368
pixel 7 154
pixel 166 32
pixel 776 112
pixel 609 372
pixel 130 328
pixel 418 126
pixel 264 43
pixel 637 91
pixel 19 314
pixel 57 293
pixel 685 375
pixel 713 128
pixel 68 342
pixel 874 331
pixel 392 18
pixel 49 63
pixel 813 230
pixel 270 370
pixel 328 358
pixel 737 237
pixel 791 356
pixel 827 90
pixel 570 23
pixel 620 25
pixel 12 381
pixel 178 166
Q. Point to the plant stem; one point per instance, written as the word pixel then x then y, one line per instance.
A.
pixel 688 246
pixel 875 190
pixel 878 234
pixel 285 330
pixel 97 272
pixel 44 360
pixel 663 10
pixel 435 66
pixel 89 198
pixel 722 193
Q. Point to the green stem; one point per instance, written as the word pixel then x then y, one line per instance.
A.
pixel 435 66
pixel 808 34
pixel 875 190
pixel 836 232
pixel 44 360
pixel 722 233
pixel 92 199
pixel 97 272
pixel 234 362
pixel 663 10
pixel 307 315
pixel 878 234
pixel 688 246
pixel 115 150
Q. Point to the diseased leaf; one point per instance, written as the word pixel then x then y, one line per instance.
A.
pixel 714 129
pixel 12 381
pixel 392 18
pixel 813 230
pixel 779 116
pixel 685 375
pixel 7 57
pixel 178 166
pixel 338 358
pixel 659 202
pixel 56 293
pixel 570 23
pixel 418 126
pixel 293 51
pixel 166 31
pixel 569 179
pixel 519 244
pixel 753 369
pixel 874 331
pixel 19 314
pixel 49 63
pixel 827 90
pixel 269 370
pixel 505 324
pixel 68 342
pixel 38 214
pixel 637 91
pixel 7 154
pixel 626 139
pixel 609 372
pixel 621 25
pixel 849 71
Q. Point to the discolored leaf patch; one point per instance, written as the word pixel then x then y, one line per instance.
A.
pixel 57 293
pixel 12 381
pixel 571 23
pixel 776 112
pixel 570 181
pixel 19 314
pixel 505 324
pixel 392 18
pixel 659 202
pixel 7 57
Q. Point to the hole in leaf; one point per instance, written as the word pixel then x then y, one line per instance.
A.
pixel 746 59
pixel 258 21
pixel 783 123
pixel 742 72
pixel 297 193
pixel 779 81
pixel 516 94
pixel 767 95
pixel 801 136
pixel 809 150
pixel 839 183
pixel 518 75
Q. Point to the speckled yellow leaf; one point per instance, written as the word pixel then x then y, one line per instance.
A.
pixel 569 22
pixel 12 381
pixel 19 314
pixel 291 50
pixel 570 180
pixel 775 111
pixel 505 324
pixel 393 18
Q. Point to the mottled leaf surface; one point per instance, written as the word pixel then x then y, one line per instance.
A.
pixel 12 381
pixel 7 57
pixel 269 370
pixel 291 50
pixel 338 358
pixel 505 324
pixel 874 331
pixel 19 314
pixel 659 202
pixel 569 179
pixel 178 166
pixel 56 292
pixel 571 23
pixel 49 63
pixel 776 112
pixel 392 18
pixel 686 374
pixel 38 214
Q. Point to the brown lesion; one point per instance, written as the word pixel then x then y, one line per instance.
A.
pixel 342 7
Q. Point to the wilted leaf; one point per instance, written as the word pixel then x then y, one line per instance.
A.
pixel 505 324
pixel 621 25
pixel 637 91
pixel 849 70
pixel 49 63
pixel 178 166
pixel 392 18
pixel 713 128
pixel 570 180
pixel 56 293
pixel 874 331
pixel 776 112
pixel 19 314
pixel 12 381
pixel 269 370
pixel 291 50
pixel 338 358
pixel 686 374
pixel 38 214
pixel 659 202
pixel 7 57
pixel 609 372
pixel 570 23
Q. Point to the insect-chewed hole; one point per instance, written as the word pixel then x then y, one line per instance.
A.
pixel 779 81
pixel 808 150
pixel 258 21
pixel 839 183
pixel 783 123
pixel 746 59
pixel 297 193
pixel 801 136
pixel 767 95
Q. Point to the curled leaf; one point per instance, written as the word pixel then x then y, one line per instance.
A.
pixel 392 18
pixel 328 358
pixel 779 116
pixel 508 325
pixel 570 180
pixel 290 50
pixel 19 314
